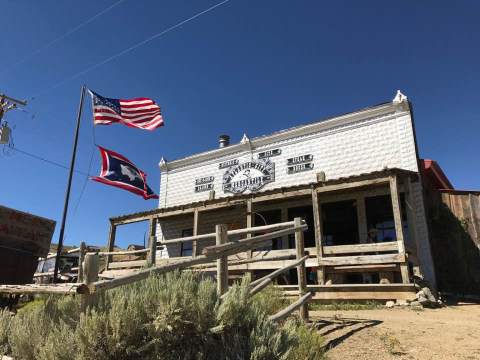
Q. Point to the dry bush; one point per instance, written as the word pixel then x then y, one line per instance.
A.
pixel 175 316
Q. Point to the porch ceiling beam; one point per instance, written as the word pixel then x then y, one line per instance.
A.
pixel 353 184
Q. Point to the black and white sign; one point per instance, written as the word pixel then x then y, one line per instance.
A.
pixel 204 187
pixel 204 180
pixel 299 168
pixel 300 159
pixel 251 175
pixel 227 164
pixel 269 153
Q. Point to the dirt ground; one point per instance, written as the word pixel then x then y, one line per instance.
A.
pixel 448 333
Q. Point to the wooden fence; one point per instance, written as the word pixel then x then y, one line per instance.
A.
pixel 90 282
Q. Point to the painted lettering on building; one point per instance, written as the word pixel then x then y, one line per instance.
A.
pixel 300 159
pixel 269 153
pixel 299 168
pixel 227 164
pixel 251 175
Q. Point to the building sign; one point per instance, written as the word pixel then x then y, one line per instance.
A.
pixel 204 180
pixel 269 153
pixel 251 175
pixel 299 168
pixel 204 187
pixel 300 159
pixel 227 164
pixel 25 232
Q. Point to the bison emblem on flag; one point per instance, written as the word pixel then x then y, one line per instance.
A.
pixel 120 172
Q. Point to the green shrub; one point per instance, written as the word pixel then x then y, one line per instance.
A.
pixel 175 316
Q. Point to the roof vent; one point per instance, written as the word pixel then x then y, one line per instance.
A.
pixel 223 141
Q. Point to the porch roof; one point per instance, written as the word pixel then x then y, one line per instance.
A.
pixel 342 183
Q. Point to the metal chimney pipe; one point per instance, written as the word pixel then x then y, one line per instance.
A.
pixel 223 141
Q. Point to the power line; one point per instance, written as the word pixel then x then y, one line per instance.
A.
pixel 51 162
pixel 127 50
pixel 56 40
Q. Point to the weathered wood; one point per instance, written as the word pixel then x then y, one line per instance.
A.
pixel 120 252
pixel 301 272
pixel 249 223
pixel 247 231
pixel 300 303
pixel 363 268
pixel 127 264
pixel 364 292
pixel 221 238
pixel 318 225
pixel 81 259
pixel 111 243
pixel 353 184
pixel 397 217
pixel 195 233
pixel 243 245
pixel 61 289
pixel 411 217
pixel 263 282
pixel 90 275
pixel 360 248
pixel 363 260
pixel 152 253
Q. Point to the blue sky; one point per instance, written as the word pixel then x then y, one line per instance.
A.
pixel 247 66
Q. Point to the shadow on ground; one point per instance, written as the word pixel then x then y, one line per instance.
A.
pixel 336 330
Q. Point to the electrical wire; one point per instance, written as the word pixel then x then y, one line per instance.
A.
pixel 127 50
pixel 51 162
pixel 61 37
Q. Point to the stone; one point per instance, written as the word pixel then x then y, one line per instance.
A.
pixel 401 302
pixel 390 304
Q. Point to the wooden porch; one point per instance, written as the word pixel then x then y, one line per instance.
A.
pixel 391 260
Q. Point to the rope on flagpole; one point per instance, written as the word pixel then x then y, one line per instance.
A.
pixel 59 38
pixel 127 50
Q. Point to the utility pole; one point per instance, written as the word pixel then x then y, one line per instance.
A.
pixel 7 103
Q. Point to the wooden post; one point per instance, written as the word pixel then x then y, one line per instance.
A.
pixel 90 275
pixel 249 225
pixel 195 233
pixel 412 222
pixel 301 273
pixel 152 242
pixel 83 250
pixel 317 220
pixel 397 217
pixel 111 243
pixel 222 263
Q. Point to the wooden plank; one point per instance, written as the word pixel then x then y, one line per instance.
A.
pixel 63 289
pixel 249 222
pixel 121 252
pixel 281 195
pixel 282 270
pixel 360 248
pixel 318 227
pixel 411 217
pixel 127 264
pixel 301 303
pixel 81 259
pixel 221 238
pixel 397 218
pixel 351 185
pixel 363 260
pixel 363 268
pixel 301 272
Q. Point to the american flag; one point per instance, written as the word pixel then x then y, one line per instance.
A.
pixel 141 113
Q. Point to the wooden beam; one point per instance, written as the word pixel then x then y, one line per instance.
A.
pixel 195 233
pixel 280 195
pixel 360 248
pixel 363 268
pixel 152 253
pixel 353 184
pixel 301 272
pixel 249 222
pixel 318 225
pixel 127 264
pixel 300 303
pixel 122 252
pixel 221 238
pixel 63 289
pixel 90 275
pixel 276 273
pixel 81 258
pixel 397 217
pixel 363 260
pixel 411 217
pixel 111 242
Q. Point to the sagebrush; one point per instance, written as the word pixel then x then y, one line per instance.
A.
pixel 175 316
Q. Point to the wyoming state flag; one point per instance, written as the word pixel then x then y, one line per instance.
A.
pixel 120 172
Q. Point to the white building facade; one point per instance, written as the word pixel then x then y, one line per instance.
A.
pixel 358 143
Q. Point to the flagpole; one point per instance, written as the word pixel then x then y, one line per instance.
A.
pixel 69 185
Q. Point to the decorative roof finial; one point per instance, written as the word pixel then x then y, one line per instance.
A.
pixel 245 139
pixel 163 164
pixel 399 97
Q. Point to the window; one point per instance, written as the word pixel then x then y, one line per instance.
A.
pixel 268 218
pixel 380 216
pixel 306 213
pixel 186 248
pixel 340 223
